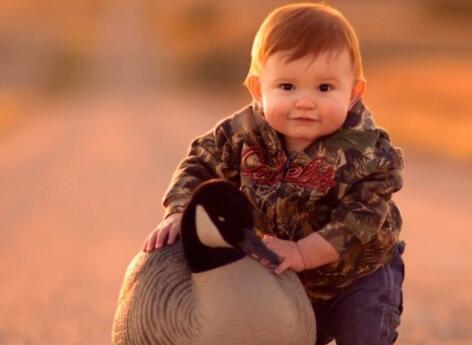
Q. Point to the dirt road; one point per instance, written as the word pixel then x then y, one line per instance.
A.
pixel 80 187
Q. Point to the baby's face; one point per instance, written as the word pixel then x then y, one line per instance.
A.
pixel 307 98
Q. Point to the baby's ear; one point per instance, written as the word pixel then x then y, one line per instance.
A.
pixel 357 91
pixel 254 85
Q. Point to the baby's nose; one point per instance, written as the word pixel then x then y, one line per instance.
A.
pixel 305 102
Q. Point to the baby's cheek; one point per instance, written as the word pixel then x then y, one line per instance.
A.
pixel 337 115
pixel 275 119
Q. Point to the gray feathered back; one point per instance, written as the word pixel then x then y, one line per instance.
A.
pixel 162 303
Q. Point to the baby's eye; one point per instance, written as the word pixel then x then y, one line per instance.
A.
pixel 286 86
pixel 325 87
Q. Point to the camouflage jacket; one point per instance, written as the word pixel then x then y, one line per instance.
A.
pixel 340 187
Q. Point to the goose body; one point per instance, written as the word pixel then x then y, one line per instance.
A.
pixel 165 301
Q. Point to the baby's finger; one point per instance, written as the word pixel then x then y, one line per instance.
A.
pixel 150 242
pixel 162 236
pixel 265 262
pixel 145 244
pixel 173 234
pixel 282 267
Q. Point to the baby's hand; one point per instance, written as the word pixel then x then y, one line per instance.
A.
pixel 288 251
pixel 168 229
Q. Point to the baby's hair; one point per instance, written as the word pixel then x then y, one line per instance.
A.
pixel 301 29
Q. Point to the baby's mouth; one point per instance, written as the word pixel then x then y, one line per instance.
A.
pixel 305 118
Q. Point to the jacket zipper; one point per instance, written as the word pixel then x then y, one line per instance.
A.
pixel 290 158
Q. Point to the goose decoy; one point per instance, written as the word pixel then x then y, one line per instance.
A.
pixel 207 289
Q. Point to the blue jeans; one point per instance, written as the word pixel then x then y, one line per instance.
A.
pixel 366 313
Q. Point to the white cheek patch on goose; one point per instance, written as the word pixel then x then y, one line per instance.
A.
pixel 207 231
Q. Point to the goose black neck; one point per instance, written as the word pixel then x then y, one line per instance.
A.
pixel 201 258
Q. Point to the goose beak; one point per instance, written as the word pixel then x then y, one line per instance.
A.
pixel 252 244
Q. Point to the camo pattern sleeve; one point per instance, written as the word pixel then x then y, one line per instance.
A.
pixel 366 207
pixel 212 155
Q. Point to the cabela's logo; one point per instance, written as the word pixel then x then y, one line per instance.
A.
pixel 314 175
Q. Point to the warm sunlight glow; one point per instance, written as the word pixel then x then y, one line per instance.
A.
pixel 99 100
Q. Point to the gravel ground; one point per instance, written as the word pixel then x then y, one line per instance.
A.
pixel 81 184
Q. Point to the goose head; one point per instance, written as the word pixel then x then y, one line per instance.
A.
pixel 218 228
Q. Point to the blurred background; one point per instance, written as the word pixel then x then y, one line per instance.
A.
pixel 99 100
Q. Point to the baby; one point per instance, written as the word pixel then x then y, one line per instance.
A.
pixel 318 171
